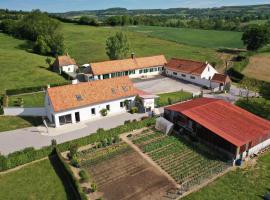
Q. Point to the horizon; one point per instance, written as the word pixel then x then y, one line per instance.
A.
pixel 83 5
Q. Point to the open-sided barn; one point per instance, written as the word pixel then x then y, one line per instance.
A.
pixel 231 129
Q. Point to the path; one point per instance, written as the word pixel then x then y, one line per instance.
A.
pixel 147 158
pixel 38 137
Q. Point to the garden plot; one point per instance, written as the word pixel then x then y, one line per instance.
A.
pixel 187 165
pixel 121 173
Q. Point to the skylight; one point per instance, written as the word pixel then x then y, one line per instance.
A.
pixel 78 97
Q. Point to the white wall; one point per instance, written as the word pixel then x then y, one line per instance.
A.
pixel 208 72
pixel 149 103
pixel 198 80
pixel 69 68
pixel 85 112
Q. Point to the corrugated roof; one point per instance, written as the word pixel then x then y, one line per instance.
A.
pixel 83 94
pixel 186 66
pixel 107 67
pixel 228 121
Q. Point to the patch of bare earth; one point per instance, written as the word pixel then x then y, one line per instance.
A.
pixel 128 176
pixel 259 67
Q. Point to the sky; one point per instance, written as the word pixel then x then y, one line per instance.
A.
pixel 73 5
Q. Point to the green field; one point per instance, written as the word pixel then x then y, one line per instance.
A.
pixel 87 44
pixel 8 123
pixel 174 97
pixel 193 37
pixel 242 184
pixel 20 68
pixel 36 181
pixel 30 100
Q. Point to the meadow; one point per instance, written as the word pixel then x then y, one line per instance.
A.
pixel 21 68
pixel 36 181
pixel 193 37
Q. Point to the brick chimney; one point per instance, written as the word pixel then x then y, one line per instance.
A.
pixel 133 55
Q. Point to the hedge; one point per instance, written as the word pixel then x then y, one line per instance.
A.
pixel 32 89
pixel 65 168
pixel 30 154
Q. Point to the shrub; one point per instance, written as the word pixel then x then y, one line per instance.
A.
pixel 110 141
pixel 127 122
pixel 75 162
pixel 99 145
pixel 1 110
pixel 94 187
pixel 104 142
pixel 53 143
pixel 129 135
pixel 144 118
pixel 104 112
pixel 134 110
pixel 116 139
pixel 169 101
pixel 73 151
pixel 100 130
pixel 134 120
pixel 84 176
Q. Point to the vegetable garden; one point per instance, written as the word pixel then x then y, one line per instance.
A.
pixel 188 165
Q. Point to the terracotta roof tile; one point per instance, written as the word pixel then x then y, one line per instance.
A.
pixel 230 122
pixel 186 66
pixel 63 61
pixel 107 67
pixel 220 78
pixel 83 94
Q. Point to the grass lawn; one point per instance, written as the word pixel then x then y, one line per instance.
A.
pixel 11 122
pixel 174 96
pixel 37 181
pixel 30 100
pixel 258 106
pixel 242 184
pixel 20 68
pixel 194 37
pixel 87 44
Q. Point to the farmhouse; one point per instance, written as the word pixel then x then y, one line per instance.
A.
pixel 227 127
pixel 196 72
pixel 132 67
pixel 85 101
pixel 64 64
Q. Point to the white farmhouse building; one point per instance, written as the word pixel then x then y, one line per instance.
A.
pixel 84 101
pixel 132 67
pixel 65 64
pixel 195 72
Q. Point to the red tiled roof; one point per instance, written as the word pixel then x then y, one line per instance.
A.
pixel 63 61
pixel 219 78
pixel 228 121
pixel 186 66
pixel 83 94
pixel 107 67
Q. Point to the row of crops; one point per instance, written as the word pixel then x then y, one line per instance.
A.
pixel 188 165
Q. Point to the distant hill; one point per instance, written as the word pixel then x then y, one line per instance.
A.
pixel 232 11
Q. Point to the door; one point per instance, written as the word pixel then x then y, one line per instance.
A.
pixel 77 116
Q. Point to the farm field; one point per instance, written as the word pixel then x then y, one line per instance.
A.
pixel 87 44
pixel 20 68
pixel 29 100
pixel 259 67
pixel 251 183
pixel 187 165
pixel 37 181
pixel 193 37
pixel 8 123
pixel 120 173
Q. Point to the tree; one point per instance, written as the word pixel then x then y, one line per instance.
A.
pixel 256 37
pixel 88 21
pixel 117 46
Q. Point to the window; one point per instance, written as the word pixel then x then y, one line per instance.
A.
pixel 93 111
pixel 145 70
pixel 68 69
pixel 113 75
pixel 99 77
pixel 121 104
pixel 192 77
pixel 106 76
pixel 126 73
pixel 183 75
pixel 174 73
pixel 155 69
pixel 151 69
pixel 209 69
pixel 108 107
pixel 132 72
pixel 141 71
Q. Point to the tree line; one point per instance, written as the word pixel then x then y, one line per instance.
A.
pixel 43 31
